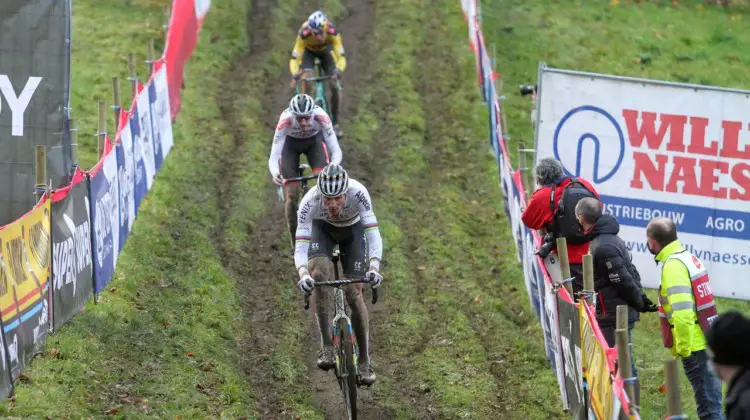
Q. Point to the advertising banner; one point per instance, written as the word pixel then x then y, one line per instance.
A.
pixel 596 365
pixel 570 337
pixel 24 282
pixel 182 38
pixel 105 209
pixel 658 149
pixel 143 149
pixel 72 264
pixel 34 94
pixel 125 169
pixel 160 119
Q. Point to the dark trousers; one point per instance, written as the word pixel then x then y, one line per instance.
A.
pixel 706 386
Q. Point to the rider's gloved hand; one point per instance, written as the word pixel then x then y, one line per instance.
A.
pixel 374 278
pixel 306 283
pixel 337 74
pixel 278 179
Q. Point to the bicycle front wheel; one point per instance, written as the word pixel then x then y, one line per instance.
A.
pixel 347 368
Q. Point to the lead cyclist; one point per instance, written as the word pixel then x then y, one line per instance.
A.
pixel 338 210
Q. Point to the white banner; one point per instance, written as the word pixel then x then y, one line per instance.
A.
pixel 126 174
pixel 658 149
pixel 143 139
pixel 162 122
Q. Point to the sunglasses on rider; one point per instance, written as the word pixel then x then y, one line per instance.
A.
pixel 303 117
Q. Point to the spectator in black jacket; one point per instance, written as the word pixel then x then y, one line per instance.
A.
pixel 616 280
pixel 729 349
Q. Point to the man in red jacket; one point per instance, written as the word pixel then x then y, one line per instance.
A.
pixel 542 208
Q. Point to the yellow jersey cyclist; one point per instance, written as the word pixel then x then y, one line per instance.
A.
pixel 319 38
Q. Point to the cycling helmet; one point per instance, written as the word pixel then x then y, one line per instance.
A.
pixel 302 105
pixel 333 180
pixel 318 21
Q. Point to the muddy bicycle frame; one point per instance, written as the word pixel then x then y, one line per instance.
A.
pixel 320 90
pixel 346 371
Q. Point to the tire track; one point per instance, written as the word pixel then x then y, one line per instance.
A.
pixel 264 261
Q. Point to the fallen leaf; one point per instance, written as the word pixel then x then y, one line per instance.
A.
pixel 478 299
pixel 113 289
pixel 126 400
pixel 421 268
pixel 112 411
pixel 190 354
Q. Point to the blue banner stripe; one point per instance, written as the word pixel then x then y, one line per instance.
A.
pixel 689 219
pixel 28 314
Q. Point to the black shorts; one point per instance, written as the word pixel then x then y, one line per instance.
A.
pixel 313 147
pixel 326 60
pixel 351 240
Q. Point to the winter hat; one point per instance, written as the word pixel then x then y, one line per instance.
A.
pixel 729 339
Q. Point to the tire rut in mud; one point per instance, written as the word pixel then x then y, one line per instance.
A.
pixel 356 25
pixel 264 259
pixel 255 295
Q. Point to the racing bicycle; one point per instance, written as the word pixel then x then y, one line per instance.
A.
pixel 320 90
pixel 303 179
pixel 344 340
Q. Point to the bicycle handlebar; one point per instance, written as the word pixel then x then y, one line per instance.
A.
pixel 336 283
pixel 300 178
pixel 315 79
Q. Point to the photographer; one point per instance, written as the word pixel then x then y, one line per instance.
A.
pixel 551 210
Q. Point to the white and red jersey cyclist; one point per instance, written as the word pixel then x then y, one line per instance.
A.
pixel 302 128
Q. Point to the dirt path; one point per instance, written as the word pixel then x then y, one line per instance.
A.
pixel 264 260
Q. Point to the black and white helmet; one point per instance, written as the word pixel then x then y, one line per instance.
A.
pixel 302 105
pixel 333 181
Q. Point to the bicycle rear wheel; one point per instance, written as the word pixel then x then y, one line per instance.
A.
pixel 347 368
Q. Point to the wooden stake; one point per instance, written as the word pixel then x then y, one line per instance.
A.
pixel 562 253
pixel 151 58
pixel 622 317
pixel 133 74
pixel 673 387
pixel 117 99
pixel 623 362
pixel 102 127
pixel 74 142
pixel 40 168
pixel 167 13
pixel 588 277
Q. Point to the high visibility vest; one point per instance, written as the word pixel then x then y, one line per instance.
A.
pixel 704 306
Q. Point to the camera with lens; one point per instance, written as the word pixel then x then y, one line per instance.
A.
pixel 528 89
pixel 548 244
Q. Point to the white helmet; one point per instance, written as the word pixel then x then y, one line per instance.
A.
pixel 318 21
pixel 302 105
pixel 333 180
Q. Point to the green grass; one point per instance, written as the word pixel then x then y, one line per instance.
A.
pixel 161 343
pixel 682 44
pixel 459 334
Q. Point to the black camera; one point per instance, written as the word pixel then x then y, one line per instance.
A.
pixel 528 89
pixel 548 244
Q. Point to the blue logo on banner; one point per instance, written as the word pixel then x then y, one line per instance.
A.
pixel 601 174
